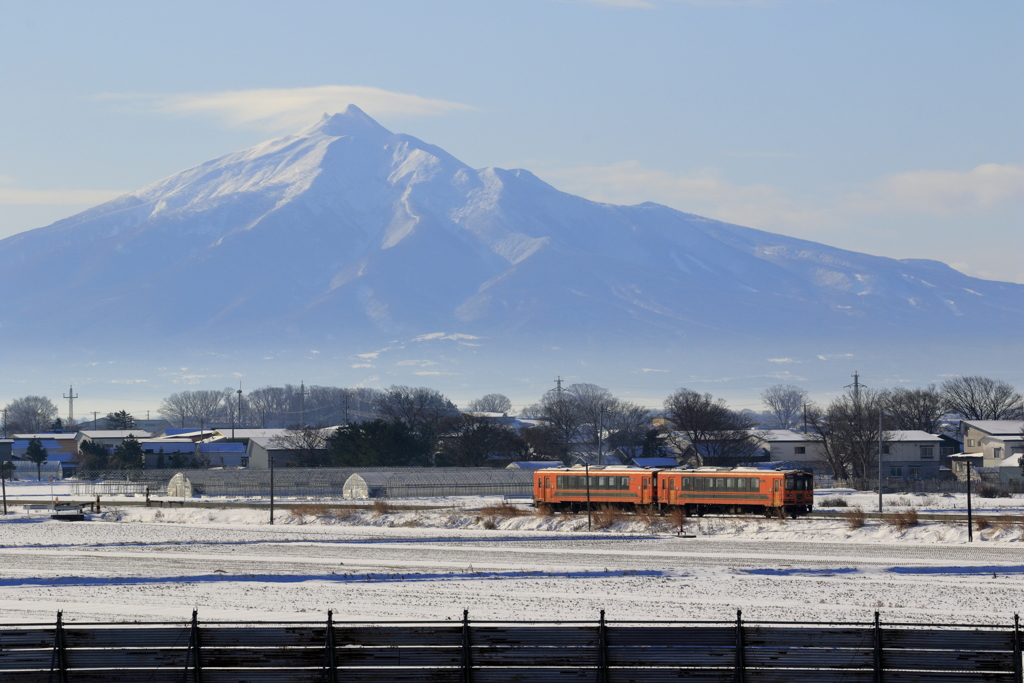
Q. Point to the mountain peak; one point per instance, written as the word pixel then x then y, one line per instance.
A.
pixel 352 121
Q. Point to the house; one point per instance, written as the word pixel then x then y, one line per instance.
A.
pixel 60 442
pixel 260 449
pixel 161 453
pixel 974 433
pixel 5 449
pixel 110 438
pixel 1011 470
pixel 533 464
pixel 224 454
pixel 911 454
pixel 786 445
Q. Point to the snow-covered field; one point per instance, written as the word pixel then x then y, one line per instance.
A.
pixel 138 563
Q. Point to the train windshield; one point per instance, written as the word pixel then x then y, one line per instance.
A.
pixel 798 482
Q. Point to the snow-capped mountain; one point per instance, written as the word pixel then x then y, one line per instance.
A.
pixel 348 239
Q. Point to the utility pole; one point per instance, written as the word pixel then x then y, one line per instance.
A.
pixel 805 418
pixel 71 404
pixel 879 461
pixel 271 490
pixel 586 466
pixel 239 408
pixel 5 423
pixel 600 436
pixel 302 403
pixel 346 406
pixel 94 414
pixel 558 385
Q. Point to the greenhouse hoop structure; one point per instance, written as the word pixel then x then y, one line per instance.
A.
pixel 438 481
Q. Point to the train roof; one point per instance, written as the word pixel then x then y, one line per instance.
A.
pixel 699 470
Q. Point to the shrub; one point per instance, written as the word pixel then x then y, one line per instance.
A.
pixel 981 522
pixel 834 502
pixel 381 507
pixel 503 510
pixel 646 514
pixel 678 516
pixel 855 518
pixel 545 510
pixel 490 522
pixel 606 516
pixel 310 510
pixel 905 519
pixel 988 490
pixel 1003 523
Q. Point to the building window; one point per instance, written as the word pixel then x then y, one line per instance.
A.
pixel 799 450
pixel 915 470
pixel 946 450
pixel 885 449
pixel 245 462
pixel 895 471
pixel 927 451
pixel 997 453
pixel 970 443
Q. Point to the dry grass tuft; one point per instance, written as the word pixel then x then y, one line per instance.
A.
pixel 855 518
pixel 905 519
pixel 834 502
pixel 381 507
pixel 606 516
pixel 490 522
pixel 646 514
pixel 545 510
pixel 981 522
pixel 503 510
pixel 677 515
pixel 1003 522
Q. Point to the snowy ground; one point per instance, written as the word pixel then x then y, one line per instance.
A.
pixel 137 563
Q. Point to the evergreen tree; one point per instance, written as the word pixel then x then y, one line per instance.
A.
pixel 129 455
pixel 37 454
pixel 378 443
pixel 93 456
pixel 57 426
pixel 120 420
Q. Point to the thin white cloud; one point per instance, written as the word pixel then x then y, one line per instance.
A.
pixel 287 108
pixel 942 193
pixel 703 192
pixel 11 196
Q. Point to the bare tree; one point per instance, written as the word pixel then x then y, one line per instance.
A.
pixel 982 398
pixel 307 443
pixel 720 436
pixel 785 402
pixel 914 408
pixel 471 441
pixel 491 403
pixel 421 409
pixel 848 432
pixel 194 408
pixel 30 415
pixel 628 423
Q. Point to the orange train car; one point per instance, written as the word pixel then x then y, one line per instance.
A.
pixel 699 491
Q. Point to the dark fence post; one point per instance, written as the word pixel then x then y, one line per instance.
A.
pixel 466 669
pixel 878 651
pixel 1018 665
pixel 58 660
pixel 329 674
pixel 193 652
pixel 741 663
pixel 602 651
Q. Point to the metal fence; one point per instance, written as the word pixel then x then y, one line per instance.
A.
pixel 506 652
pixel 898 485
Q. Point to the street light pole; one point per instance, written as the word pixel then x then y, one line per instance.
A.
pixel 970 518
pixel 271 491
pixel 600 436
pixel 3 482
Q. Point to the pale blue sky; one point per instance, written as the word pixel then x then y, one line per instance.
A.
pixel 893 128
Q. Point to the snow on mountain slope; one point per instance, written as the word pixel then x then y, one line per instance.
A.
pixel 350 235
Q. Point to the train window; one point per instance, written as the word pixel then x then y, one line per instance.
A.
pixel 625 482
pixel 790 482
pixel 741 484
pixel 720 484
pixel 709 484
pixel 547 482
pixel 698 483
pixel 776 484
pixel 730 484
pixel 646 484
pixel 671 484
pixel 663 485
pixel 686 483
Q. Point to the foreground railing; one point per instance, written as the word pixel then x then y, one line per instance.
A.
pixel 500 652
